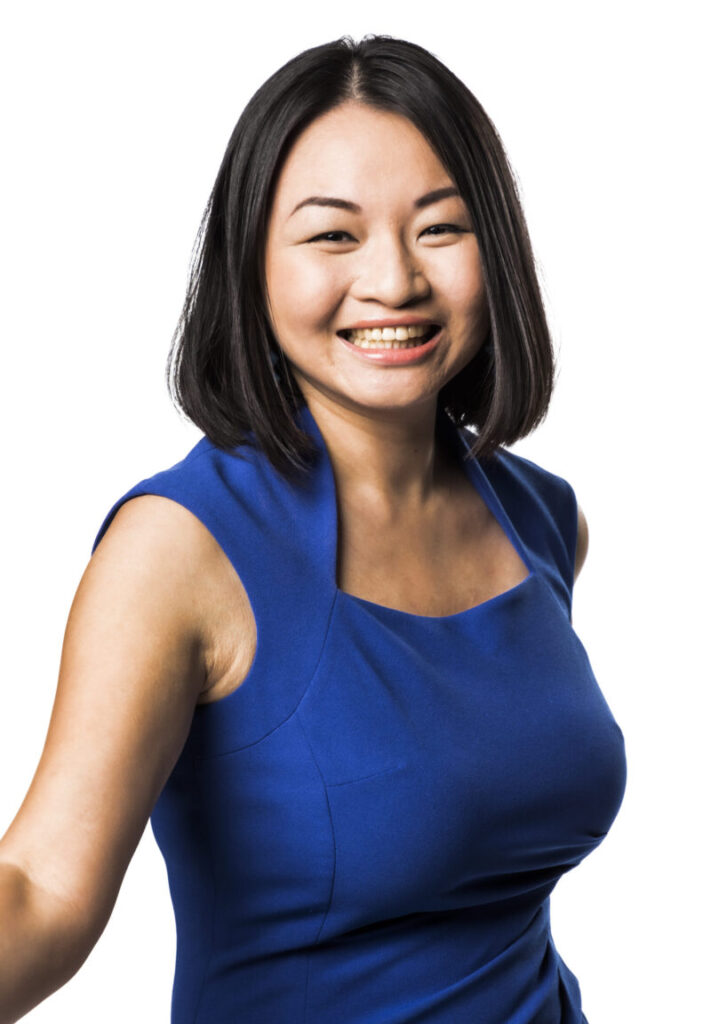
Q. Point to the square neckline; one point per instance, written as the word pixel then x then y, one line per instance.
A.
pixel 481 484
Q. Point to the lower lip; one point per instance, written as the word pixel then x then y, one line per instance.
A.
pixel 393 356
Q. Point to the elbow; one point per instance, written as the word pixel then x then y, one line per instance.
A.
pixel 43 942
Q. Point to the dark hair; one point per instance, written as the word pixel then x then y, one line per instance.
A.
pixel 226 370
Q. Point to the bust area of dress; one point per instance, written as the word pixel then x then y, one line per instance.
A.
pixel 461 558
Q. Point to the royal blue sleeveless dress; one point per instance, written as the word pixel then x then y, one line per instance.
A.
pixel 368 830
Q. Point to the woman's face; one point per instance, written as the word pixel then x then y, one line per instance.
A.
pixel 396 257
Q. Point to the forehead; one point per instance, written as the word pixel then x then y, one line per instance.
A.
pixel 358 153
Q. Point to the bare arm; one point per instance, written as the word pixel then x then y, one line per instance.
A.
pixel 131 670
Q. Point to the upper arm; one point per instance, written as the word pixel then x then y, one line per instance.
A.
pixel 581 549
pixel 131 669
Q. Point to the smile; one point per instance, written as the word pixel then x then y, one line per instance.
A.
pixel 390 337
pixel 386 352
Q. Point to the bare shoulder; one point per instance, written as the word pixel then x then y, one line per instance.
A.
pixel 164 550
pixel 202 581
pixel 583 541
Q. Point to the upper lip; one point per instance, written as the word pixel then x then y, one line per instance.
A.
pixel 401 321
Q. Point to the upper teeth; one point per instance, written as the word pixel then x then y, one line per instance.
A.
pixel 387 333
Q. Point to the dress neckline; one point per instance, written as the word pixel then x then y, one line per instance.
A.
pixel 479 481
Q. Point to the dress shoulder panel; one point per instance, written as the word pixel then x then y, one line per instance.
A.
pixel 543 507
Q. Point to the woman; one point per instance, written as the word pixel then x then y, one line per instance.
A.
pixel 329 653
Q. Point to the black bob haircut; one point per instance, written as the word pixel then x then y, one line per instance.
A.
pixel 226 370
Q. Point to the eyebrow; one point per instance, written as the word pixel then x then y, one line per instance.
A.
pixel 344 204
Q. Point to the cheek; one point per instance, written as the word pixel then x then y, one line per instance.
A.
pixel 303 291
pixel 460 281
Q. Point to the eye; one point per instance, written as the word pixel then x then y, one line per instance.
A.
pixel 447 227
pixel 327 236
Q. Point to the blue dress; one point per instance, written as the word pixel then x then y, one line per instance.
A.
pixel 368 830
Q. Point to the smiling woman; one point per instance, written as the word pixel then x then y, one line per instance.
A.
pixel 230 371
pixel 330 652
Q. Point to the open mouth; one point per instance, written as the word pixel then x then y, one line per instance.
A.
pixel 387 338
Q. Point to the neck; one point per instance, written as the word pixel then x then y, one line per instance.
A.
pixel 385 461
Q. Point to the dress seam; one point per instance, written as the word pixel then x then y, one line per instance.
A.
pixel 211 859
pixel 292 712
pixel 327 909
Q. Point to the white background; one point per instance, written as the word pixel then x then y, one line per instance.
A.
pixel 114 123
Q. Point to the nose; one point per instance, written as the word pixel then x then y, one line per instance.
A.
pixel 389 274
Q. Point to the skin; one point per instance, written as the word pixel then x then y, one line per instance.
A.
pixel 583 542
pixel 149 635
